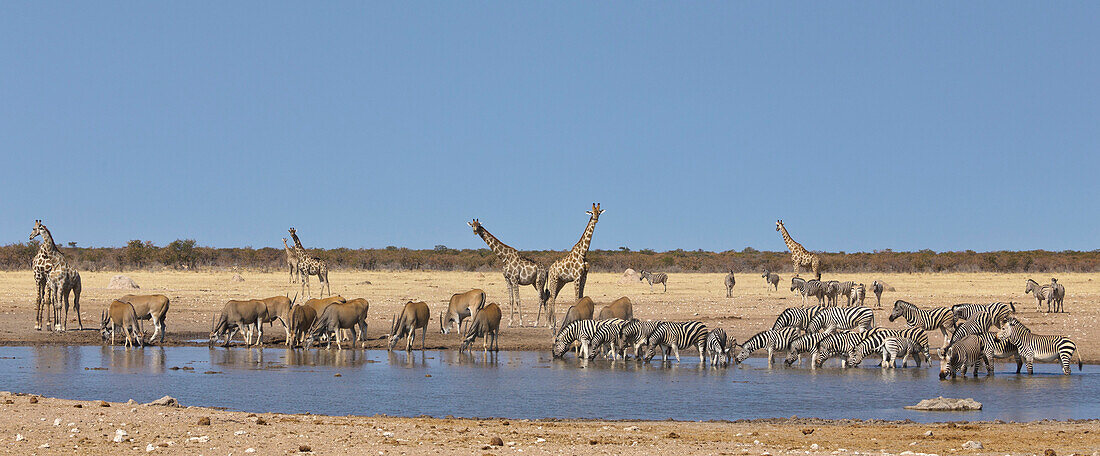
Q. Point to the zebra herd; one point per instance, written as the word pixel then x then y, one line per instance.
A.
pixel 822 332
pixel 829 293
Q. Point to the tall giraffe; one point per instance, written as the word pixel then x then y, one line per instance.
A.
pixel 292 262
pixel 573 267
pixel 517 269
pixel 799 255
pixel 50 268
pixel 310 265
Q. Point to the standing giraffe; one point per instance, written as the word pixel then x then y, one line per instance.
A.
pixel 799 255
pixel 517 271
pixel 46 261
pixel 573 267
pixel 309 265
pixel 292 263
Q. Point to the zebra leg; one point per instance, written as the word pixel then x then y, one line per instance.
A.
pixel 665 284
pixel 703 356
pixel 1019 363
pixel 771 356
pixel 1065 358
pixel 1030 361
pixel 886 363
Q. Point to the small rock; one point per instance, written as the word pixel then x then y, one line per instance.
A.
pixel 427 375
pixel 260 421
pixel 814 447
pixel 304 449
pixel 973 445
pixel 673 435
pixel 631 428
pixel 540 440
pixel 387 434
pixel 236 278
pixel 131 402
pixel 928 433
pixel 57 422
pixel 513 443
pixel 120 436
pixel 239 433
pixel 44 445
pixel 943 404
pixel 807 431
pixel 200 439
pixel 78 406
pixel 204 421
pixel 166 401
pixel 496 441
pixel 250 450
pixel 102 403
pixel 150 448
pixel 33 400
pixel 337 375
pixel 1049 452
pixel 19 438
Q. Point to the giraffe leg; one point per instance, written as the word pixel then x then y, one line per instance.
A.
pixel 40 284
pixel 578 285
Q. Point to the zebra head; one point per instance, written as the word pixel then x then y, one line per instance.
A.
pixel 1010 329
pixel 899 310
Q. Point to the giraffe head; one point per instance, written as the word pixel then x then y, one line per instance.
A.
pixel 476 225
pixel 291 231
pixel 778 225
pixel 39 228
pixel 595 212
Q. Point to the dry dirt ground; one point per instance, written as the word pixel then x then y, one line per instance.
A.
pixel 55 426
pixel 197 296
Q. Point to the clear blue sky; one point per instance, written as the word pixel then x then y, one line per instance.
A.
pixel 863 125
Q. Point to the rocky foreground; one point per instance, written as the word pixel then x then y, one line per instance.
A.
pixel 38 425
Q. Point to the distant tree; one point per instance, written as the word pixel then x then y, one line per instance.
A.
pixel 441 248
pixel 624 248
pixel 180 253
pixel 72 244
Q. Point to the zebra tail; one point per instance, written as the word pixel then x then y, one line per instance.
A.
pixel 1080 362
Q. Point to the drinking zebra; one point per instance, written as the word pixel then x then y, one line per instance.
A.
pixel 805 344
pixel 856 298
pixel 998 349
pixel 1042 293
pixel 797 317
pixel 677 336
pixel 719 347
pixel 1039 347
pixel 771 278
pixel 842 318
pixel 730 282
pixel 578 331
pixel 962 354
pixel 636 333
pixel 654 277
pixel 999 310
pixel 872 340
pixel 773 340
pixel 940 318
pixel 608 332
pixel 836 344
pixel 891 347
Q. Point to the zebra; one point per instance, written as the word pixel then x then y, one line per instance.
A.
pixel 872 340
pixel 770 278
pixel 719 347
pixel 844 289
pixel 805 344
pixel 676 336
pixel 998 349
pixel 962 354
pixel 940 318
pixel 730 282
pixel 636 333
pixel 857 295
pixel 1000 311
pixel 815 288
pixel 1042 293
pixel 836 344
pixel 773 340
pixel 608 332
pixel 977 324
pixel 799 284
pixel 1059 294
pixel 832 290
pixel 877 288
pixel 1039 347
pixel 578 331
pixel 891 347
pixel 797 317
pixel 846 318
pixel 654 277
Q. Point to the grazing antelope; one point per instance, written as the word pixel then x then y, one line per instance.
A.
pixel 120 315
pixel 301 319
pixel 730 282
pixel 244 316
pixel 486 325
pixel 583 309
pixel 351 315
pixel 150 307
pixel 414 316
pixel 461 307
pixel 621 308
pixel 319 304
pixel 278 308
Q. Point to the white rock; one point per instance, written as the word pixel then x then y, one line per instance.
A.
pixel 44 445
pixel 928 434
pixel 239 433
pixel 120 435
pixel 540 440
pixel 74 430
pixel 631 428
pixel 511 443
pixel 814 447
pixel 973 445
pixel 201 439
pixel 150 448
pixel 19 438
pixel 250 450
pixel 387 434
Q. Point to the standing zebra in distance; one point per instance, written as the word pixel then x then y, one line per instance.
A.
pixel 719 347
pixel 730 282
pixel 845 289
pixel 843 318
pixel 1042 293
pixel 677 336
pixel 770 278
pixel 940 318
pixel 858 293
pixel 832 290
pixel 773 340
pixel 636 333
pixel 799 285
pixel 1059 294
pixel 654 277
pixel 999 310
pixel 804 344
pixel 797 317
pixel 962 354
pixel 877 288
pixel 1038 347
pixel 872 340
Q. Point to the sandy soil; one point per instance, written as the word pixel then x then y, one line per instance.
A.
pixel 196 296
pixel 56 426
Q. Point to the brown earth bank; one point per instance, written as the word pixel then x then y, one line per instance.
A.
pixel 197 296
pixel 38 425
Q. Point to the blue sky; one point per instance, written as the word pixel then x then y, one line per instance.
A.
pixel 863 125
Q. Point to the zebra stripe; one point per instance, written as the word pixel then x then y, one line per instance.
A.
pixel 940 318
pixel 676 336
pixel 872 340
pixel 1042 293
pixel 773 340
pixel 999 310
pixel 1059 295
pixel 802 345
pixel 636 333
pixel 836 344
pixel 877 288
pixel 832 289
pixel 998 349
pixel 814 288
pixel 977 325
pixel 578 331
pixel 857 295
pixel 1039 347
pixel 654 277
pixel 718 347
pixel 797 317
pixel 608 332
pixel 842 318
pixel 962 354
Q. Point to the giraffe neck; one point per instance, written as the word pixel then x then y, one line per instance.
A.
pixel 297 243
pixel 581 247
pixel 501 249
pixel 48 247
pixel 286 247
pixel 791 244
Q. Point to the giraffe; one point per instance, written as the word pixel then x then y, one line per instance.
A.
pixel 308 265
pixel 573 267
pixel 292 263
pixel 46 261
pixel 799 255
pixel 517 270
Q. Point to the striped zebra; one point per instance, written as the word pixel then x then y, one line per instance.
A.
pixel 891 347
pixel 1059 294
pixel 636 333
pixel 998 349
pixel 941 318
pixel 1042 293
pixel 773 340
pixel 845 289
pixel 578 331
pixel 836 344
pixel 877 288
pixel 802 345
pixel 798 285
pixel 719 347
pixel 770 278
pixel 608 332
pixel 872 340
pixel 962 354
pixel 856 298
pixel 730 282
pixel 978 324
pixel 842 318
pixel 1039 347
pixel 832 290
pixel 814 288
pixel 654 277
pixel 999 310
pixel 676 336
pixel 797 317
